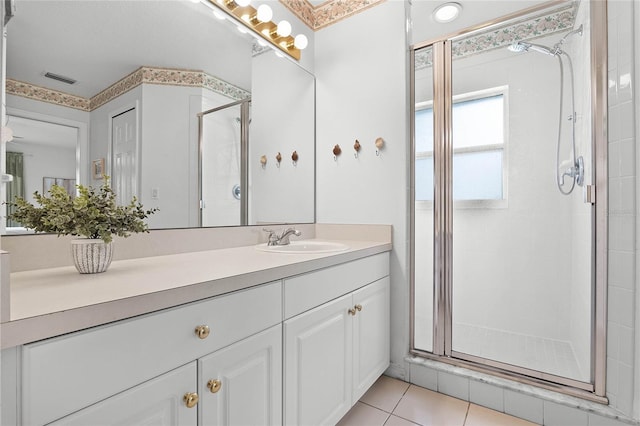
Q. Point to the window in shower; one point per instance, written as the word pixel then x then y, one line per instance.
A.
pixel 478 150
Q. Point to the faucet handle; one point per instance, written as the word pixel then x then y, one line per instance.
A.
pixel 272 237
pixel 284 238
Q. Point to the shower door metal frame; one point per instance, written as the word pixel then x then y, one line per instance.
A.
pixel 443 215
pixel 244 157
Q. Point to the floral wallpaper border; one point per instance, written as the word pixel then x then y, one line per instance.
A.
pixel 31 91
pixel 303 10
pixel 149 75
pixel 171 77
pixel 548 23
pixel 328 12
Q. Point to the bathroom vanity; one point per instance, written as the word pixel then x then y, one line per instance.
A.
pixel 227 336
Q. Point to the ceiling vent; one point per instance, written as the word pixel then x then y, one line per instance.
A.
pixel 61 78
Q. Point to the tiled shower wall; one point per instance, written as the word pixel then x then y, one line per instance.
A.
pixel 622 209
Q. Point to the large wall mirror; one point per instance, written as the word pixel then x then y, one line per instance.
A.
pixel 117 87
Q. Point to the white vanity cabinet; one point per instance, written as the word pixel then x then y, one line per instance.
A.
pixel 65 374
pixel 242 384
pixel 237 385
pixel 298 351
pixel 334 352
pixel 158 402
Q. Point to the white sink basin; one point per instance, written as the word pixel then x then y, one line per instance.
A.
pixel 309 246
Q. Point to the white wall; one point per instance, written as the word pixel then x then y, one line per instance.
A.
pixel 41 161
pixel 281 121
pixel 167 141
pixel 168 135
pixel 361 94
pixel 36 110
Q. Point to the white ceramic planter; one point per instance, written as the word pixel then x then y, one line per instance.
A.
pixel 91 256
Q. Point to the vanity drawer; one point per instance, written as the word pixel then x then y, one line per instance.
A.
pixel 64 374
pixel 307 291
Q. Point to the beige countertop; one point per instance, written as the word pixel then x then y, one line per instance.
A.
pixel 50 302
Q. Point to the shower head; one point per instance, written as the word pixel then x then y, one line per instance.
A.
pixel 518 47
pixel 523 46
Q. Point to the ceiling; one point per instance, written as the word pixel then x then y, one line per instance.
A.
pixel 27 131
pixel 99 42
pixel 473 12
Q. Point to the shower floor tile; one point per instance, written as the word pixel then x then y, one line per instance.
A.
pixel 536 353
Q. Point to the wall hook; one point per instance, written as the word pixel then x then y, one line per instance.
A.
pixel 294 158
pixel 356 147
pixel 263 161
pixel 278 160
pixel 336 152
pixel 379 145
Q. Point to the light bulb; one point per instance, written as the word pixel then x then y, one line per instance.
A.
pixel 284 28
pixel 264 13
pixel 242 3
pixel 7 134
pixel 300 42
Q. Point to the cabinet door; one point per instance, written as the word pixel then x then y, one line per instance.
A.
pixel 246 382
pixel 318 350
pixel 158 402
pixel 370 335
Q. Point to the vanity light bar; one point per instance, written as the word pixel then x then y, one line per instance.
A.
pixel 247 15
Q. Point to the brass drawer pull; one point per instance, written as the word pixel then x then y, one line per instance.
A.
pixel 214 385
pixel 190 399
pixel 202 331
pixel 353 311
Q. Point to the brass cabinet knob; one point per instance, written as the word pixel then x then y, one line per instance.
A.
pixel 358 307
pixel 202 331
pixel 214 385
pixel 352 311
pixel 190 399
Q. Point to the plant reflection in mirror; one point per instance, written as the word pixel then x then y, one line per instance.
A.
pixel 93 213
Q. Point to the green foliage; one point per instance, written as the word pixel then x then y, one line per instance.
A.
pixel 92 214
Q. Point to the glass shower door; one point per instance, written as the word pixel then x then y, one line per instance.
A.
pixel 423 184
pixel 522 249
pixel 221 170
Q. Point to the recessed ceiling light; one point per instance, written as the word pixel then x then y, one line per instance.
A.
pixel 446 12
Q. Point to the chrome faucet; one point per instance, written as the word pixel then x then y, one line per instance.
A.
pixel 283 239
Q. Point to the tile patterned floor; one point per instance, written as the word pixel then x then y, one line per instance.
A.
pixel 392 402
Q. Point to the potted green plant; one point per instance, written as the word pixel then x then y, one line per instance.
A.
pixel 92 214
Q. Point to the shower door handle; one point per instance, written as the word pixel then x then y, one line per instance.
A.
pixel 590 194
